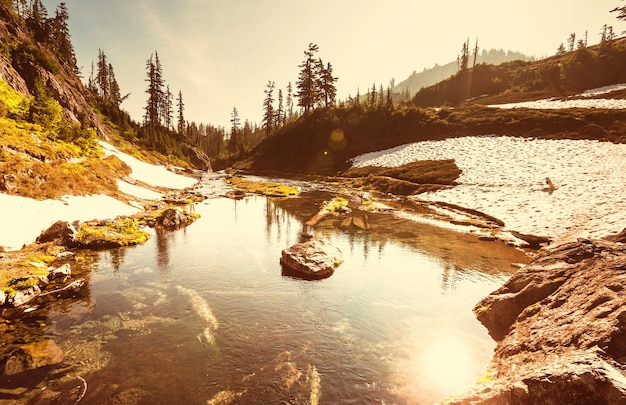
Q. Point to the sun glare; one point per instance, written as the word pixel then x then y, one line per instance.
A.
pixel 446 362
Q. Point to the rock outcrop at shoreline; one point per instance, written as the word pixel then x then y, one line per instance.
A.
pixel 561 328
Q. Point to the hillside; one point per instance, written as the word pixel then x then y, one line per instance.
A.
pixel 437 73
pixel 51 123
pixel 558 76
pixel 324 140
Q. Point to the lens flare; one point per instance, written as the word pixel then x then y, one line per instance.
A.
pixel 337 140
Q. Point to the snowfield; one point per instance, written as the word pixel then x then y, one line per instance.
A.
pixel 587 102
pixel 506 177
pixel 23 219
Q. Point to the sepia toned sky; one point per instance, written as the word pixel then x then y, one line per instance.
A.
pixel 221 53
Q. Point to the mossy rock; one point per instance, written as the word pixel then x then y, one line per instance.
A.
pixel 268 189
pixel 120 232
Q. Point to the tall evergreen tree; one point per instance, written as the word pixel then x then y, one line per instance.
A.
pixel 102 76
pixel 154 110
pixel 268 109
pixel 327 86
pixel 289 102
pixel 234 144
pixel 307 82
pixel 280 111
pixel 114 87
pixel 181 115
pixel 60 37
pixel 168 108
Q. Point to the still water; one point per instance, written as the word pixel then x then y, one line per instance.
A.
pixel 203 315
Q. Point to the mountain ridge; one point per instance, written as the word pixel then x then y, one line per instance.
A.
pixel 429 76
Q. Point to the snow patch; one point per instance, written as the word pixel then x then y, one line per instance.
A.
pixel 23 219
pixel 506 177
pixel 153 175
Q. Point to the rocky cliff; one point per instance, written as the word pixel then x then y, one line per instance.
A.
pixel 561 328
pixel 21 63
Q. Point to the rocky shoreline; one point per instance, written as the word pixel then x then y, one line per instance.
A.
pixel 560 324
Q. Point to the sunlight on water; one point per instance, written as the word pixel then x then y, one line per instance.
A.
pixel 447 361
pixel 204 315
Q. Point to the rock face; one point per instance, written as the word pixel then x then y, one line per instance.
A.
pixel 197 158
pixel 561 326
pixel 311 260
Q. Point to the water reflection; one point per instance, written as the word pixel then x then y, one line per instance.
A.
pixel 203 314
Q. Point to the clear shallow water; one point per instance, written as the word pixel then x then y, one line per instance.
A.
pixel 204 315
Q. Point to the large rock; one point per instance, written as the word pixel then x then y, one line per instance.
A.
pixel 561 326
pixel 173 218
pixel 311 260
pixel 61 231
pixel 32 356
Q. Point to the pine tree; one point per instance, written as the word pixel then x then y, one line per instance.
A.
pixel 475 53
pixel 621 12
pixel 571 41
pixel 268 109
pixel 114 88
pixel 92 84
pixel 154 110
pixel 307 81
pixel 234 145
pixel 463 59
pixel 181 116
pixel 289 103
pixel 372 94
pixel 168 107
pixel 327 86
pixel 389 102
pixel 102 76
pixel 280 111
pixel 60 37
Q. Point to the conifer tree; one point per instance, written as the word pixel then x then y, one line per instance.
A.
pixel 280 111
pixel 621 12
pixel 167 108
pixel 154 110
pixel 234 145
pixel 181 116
pixel 268 109
pixel 327 85
pixel 307 82
pixel 60 36
pixel 102 76
pixel 114 88
pixel 289 102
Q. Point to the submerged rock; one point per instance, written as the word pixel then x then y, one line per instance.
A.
pixel 32 356
pixel 311 260
pixel 561 327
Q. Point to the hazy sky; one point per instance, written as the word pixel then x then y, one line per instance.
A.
pixel 221 53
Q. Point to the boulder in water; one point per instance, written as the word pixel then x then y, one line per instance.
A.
pixel 311 260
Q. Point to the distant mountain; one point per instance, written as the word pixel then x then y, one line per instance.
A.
pixel 437 73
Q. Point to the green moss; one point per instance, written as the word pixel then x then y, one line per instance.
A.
pixel 120 232
pixel 261 187
pixel 337 204
pixel 14 101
